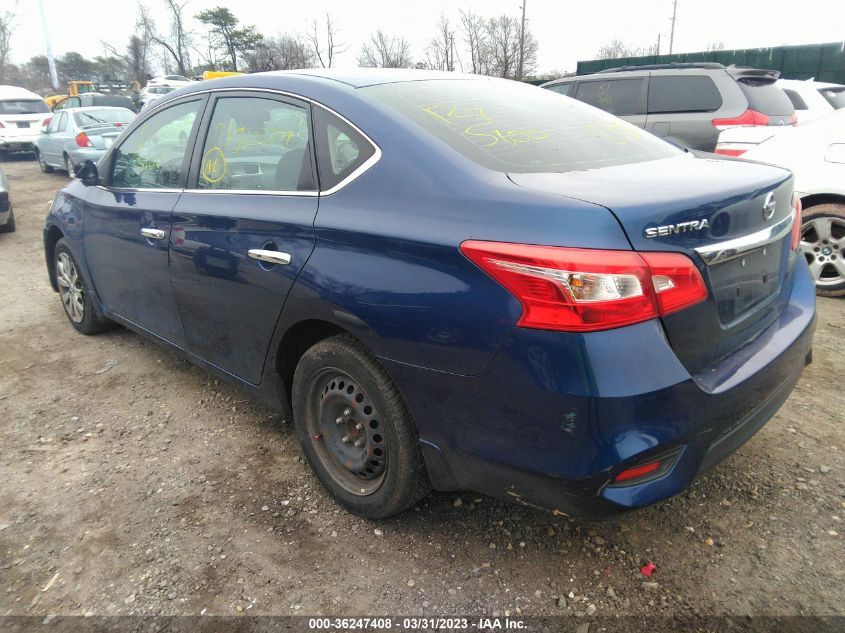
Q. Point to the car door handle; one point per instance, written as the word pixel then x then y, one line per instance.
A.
pixel 271 257
pixel 153 234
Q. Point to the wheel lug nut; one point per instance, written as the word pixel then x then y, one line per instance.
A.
pixel 338 421
pixel 346 439
pixel 359 443
pixel 347 412
pixel 358 427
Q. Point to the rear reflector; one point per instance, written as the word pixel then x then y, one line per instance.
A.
pixel 585 290
pixel 749 118
pixel 636 472
pixel 797 222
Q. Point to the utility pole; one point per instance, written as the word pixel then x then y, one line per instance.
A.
pixel 51 62
pixel 521 42
pixel 672 33
pixel 658 43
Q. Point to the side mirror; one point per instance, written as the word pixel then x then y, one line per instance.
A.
pixel 88 174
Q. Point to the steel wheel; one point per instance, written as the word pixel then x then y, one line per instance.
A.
pixel 43 163
pixel 69 168
pixel 70 288
pixel 823 243
pixel 344 429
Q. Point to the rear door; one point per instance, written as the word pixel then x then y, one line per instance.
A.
pixel 244 227
pixel 625 97
pixel 53 142
pixel 680 108
pixel 128 220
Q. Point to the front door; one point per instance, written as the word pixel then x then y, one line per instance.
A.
pixel 243 229
pixel 128 221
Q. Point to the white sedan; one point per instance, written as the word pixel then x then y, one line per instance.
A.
pixel 813 99
pixel 815 152
pixel 174 81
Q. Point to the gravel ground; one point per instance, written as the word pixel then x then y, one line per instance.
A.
pixel 132 482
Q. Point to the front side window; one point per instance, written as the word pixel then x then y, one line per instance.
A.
pixel 255 143
pixel 153 155
pixel 341 149
pixel 682 93
pixel 617 96
pixel 834 96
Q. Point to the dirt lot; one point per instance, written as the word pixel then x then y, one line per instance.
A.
pixel 132 482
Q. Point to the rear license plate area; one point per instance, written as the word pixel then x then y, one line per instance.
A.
pixel 23 123
pixel 742 283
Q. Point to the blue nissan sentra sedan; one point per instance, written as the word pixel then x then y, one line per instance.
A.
pixel 449 281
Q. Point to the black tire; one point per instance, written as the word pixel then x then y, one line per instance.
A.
pixel 45 168
pixel 823 243
pixel 86 321
pixel 9 227
pixel 70 168
pixel 391 438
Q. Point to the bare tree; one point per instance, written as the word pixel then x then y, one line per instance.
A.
pixel 385 52
pixel 718 45
pixel 284 52
pixel 440 51
pixel 475 36
pixel 503 39
pixel 7 27
pixel 325 56
pixel 617 49
pixel 136 57
pixel 175 45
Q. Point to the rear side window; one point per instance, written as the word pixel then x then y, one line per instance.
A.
pixel 797 100
pixel 255 143
pixel 153 155
pixel 23 106
pixel 94 118
pixel 513 127
pixel 341 149
pixel 682 93
pixel 834 96
pixel 563 89
pixel 617 96
pixel 764 96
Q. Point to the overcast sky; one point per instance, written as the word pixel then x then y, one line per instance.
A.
pixel 566 30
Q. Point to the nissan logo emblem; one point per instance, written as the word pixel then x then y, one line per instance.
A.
pixel 769 205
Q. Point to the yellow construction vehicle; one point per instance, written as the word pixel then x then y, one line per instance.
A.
pixel 74 88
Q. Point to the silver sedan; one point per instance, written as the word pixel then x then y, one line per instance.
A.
pixel 75 135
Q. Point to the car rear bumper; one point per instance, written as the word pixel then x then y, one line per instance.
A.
pixel 78 156
pixel 556 416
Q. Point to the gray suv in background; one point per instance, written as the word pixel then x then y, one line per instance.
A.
pixel 688 104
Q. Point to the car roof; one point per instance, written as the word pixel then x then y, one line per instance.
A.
pixel 93 109
pixel 362 77
pixel 16 92
pixel 810 83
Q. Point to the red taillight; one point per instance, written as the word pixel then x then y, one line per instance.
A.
pixel 636 472
pixel 2 126
pixel 584 290
pixel 46 121
pixel 83 141
pixel 794 118
pixel 730 152
pixel 748 118
pixel 796 224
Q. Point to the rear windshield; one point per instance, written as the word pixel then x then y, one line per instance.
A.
pixel 834 96
pixel 513 127
pixel 766 97
pixel 96 118
pixel 23 106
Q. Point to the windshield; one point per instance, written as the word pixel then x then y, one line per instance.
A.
pixel 513 127
pixel 119 116
pixel 834 96
pixel 23 106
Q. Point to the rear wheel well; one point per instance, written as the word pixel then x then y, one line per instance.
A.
pixel 54 234
pixel 821 198
pixel 296 341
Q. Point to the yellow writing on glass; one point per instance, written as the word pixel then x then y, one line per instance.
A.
pixel 214 165
pixel 474 122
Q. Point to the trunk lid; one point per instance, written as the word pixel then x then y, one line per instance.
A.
pixel 699 207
